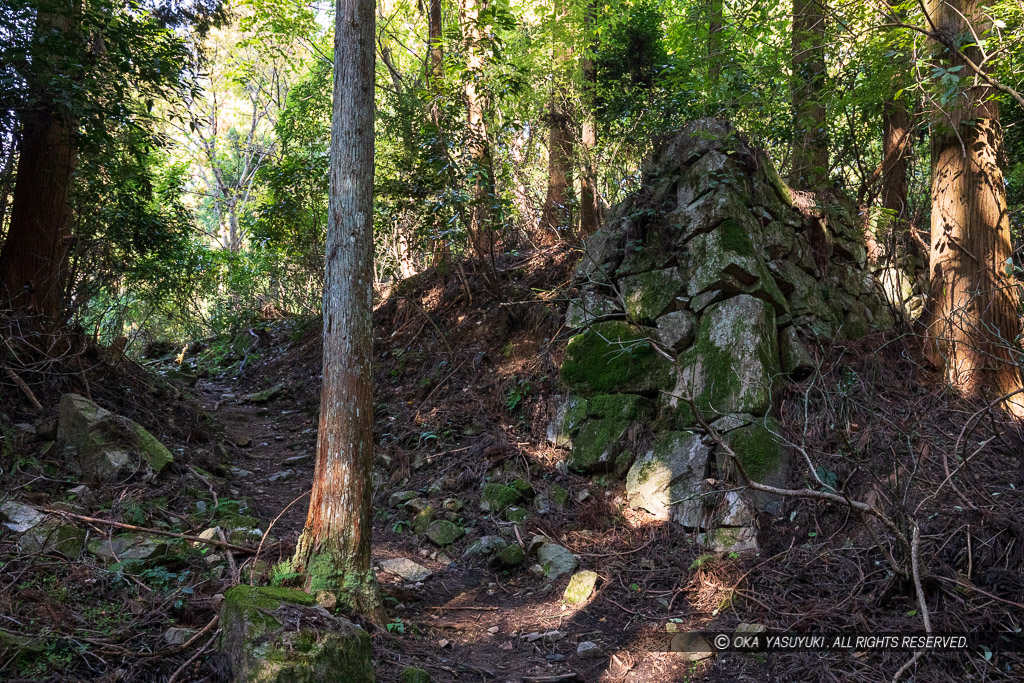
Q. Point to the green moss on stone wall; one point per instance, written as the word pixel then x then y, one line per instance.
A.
pixel 614 356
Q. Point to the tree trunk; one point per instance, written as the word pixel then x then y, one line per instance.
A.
pixel 971 317
pixel 715 51
pixel 556 215
pixel 334 548
pixel 590 209
pixel 481 228
pixel 810 136
pixel 32 261
pixel 435 71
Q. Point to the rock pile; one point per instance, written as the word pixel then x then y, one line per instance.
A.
pixel 704 291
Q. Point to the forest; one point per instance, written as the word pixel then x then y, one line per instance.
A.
pixel 494 340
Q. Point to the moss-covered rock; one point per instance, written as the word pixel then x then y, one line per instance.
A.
pixel 411 674
pixel 496 498
pixel 615 357
pixel 590 308
pixel 763 459
pixel 580 587
pixel 598 445
pixel 442 532
pixel 648 295
pixel 279 635
pixel 794 356
pixel 676 330
pixel 517 515
pixel 733 366
pixel 617 406
pixel 510 556
pixel 107 447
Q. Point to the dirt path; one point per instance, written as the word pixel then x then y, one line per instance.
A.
pixel 463 623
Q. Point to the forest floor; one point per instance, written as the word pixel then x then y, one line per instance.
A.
pixel 465 387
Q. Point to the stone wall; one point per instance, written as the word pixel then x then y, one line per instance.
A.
pixel 704 291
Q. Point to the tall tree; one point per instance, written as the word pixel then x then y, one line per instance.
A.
pixel 556 215
pixel 715 10
pixel 334 548
pixel 32 262
pixel 590 210
pixel 481 228
pixel 971 316
pixel 810 136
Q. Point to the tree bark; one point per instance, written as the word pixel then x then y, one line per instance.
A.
pixel 481 228
pixel 810 136
pixel 33 260
pixel 556 216
pixel 971 316
pixel 590 208
pixel 334 548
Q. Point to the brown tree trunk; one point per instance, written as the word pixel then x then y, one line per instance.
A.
pixel 481 228
pixel 897 125
pixel 810 136
pixel 590 208
pixel 334 548
pixel 556 216
pixel 971 317
pixel 435 77
pixel 33 259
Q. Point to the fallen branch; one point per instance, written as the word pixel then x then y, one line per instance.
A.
pixel 24 389
pixel 158 532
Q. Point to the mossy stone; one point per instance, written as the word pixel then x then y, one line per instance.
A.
pixel 559 496
pixel 509 556
pixel 733 366
pixel 619 406
pixel 597 445
pixel 517 515
pixel 261 640
pixel 757 449
pixel 495 498
pixel 422 520
pixel 580 587
pixel 442 532
pixel 648 295
pixel 411 674
pixel 612 357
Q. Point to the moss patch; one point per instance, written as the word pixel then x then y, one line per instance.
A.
pixel 496 497
pixel 757 450
pixel 621 406
pixel 596 446
pixel 614 356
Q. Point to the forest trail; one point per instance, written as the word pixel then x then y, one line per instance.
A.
pixel 463 623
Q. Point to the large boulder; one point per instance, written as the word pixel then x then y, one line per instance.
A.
pixel 668 480
pixel 615 356
pixel 107 447
pixel 733 365
pixel 280 635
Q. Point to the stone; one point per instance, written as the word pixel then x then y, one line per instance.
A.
pixel 648 295
pixel 400 497
pixel 20 518
pixel 406 569
pixel 598 445
pixel 421 522
pixel 763 459
pixel 569 415
pixel 730 539
pixel 411 674
pixel 278 635
pixel 511 555
pixel 588 650
pixel 107 447
pixel 516 515
pixel 442 532
pixel 451 505
pixel 735 511
pixel 590 308
pixel 544 636
pixel 677 330
pixel 495 498
pixel 177 635
pixel 484 547
pixel 46 429
pixel 733 366
pixel 580 587
pixel 298 459
pixel 794 356
pixel 267 395
pixel 617 406
pixel 615 357
pixel 128 547
pixel 668 480
pixel 555 560
pixel 283 475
